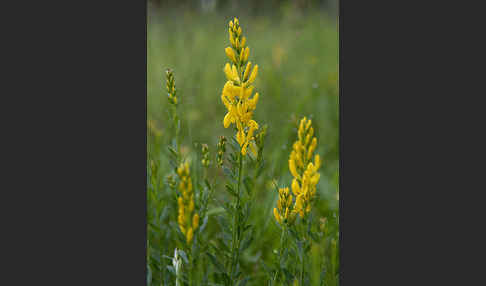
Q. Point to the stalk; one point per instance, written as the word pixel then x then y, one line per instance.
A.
pixel 236 240
pixel 283 237
pixel 304 241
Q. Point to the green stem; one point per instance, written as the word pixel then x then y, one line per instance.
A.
pixel 236 242
pixel 304 241
pixel 282 242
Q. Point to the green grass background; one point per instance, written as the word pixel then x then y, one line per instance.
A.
pixel 297 54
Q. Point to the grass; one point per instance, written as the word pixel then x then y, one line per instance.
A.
pixel 298 76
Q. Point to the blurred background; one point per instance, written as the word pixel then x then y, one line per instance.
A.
pixel 296 45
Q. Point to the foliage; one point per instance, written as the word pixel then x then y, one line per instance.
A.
pixel 235 239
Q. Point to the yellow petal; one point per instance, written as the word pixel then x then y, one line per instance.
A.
pixel 247 92
pixel 244 148
pixel 308 124
pixel 295 187
pixel 253 75
pixel 317 161
pixel 234 73
pixel 247 71
pixel 243 41
pixel 231 54
pixel 315 179
pixel 293 169
pixel 277 216
pixel 227 120
pixel 195 221
pixel 240 137
pixel 189 235
pixel 312 148
pixel 253 102
pixel 228 72
pixel 253 149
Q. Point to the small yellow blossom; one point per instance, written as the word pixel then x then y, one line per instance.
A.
pixel 283 212
pixel 171 89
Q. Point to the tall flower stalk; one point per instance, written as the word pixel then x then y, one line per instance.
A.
pixel 238 98
pixel 305 179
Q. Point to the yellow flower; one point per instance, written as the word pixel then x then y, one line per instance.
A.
pixel 302 169
pixel 195 221
pixel 189 235
pixel 187 219
pixel 171 89
pixel 282 212
pixel 230 53
pixel 237 91
pixel 253 75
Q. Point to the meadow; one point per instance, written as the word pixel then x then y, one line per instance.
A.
pixel 297 55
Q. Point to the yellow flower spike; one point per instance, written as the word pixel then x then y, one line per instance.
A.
pixel 195 221
pixel 231 54
pixel 247 71
pixel 237 92
pixel 253 75
pixel 185 203
pixel 306 176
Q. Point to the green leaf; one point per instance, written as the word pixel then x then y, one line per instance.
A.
pixel 172 151
pixel 228 172
pixel 183 255
pixel 216 263
pixel 171 269
pixel 149 275
pixel 243 282
pixel 230 190
pixel 205 222
pixel 248 185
